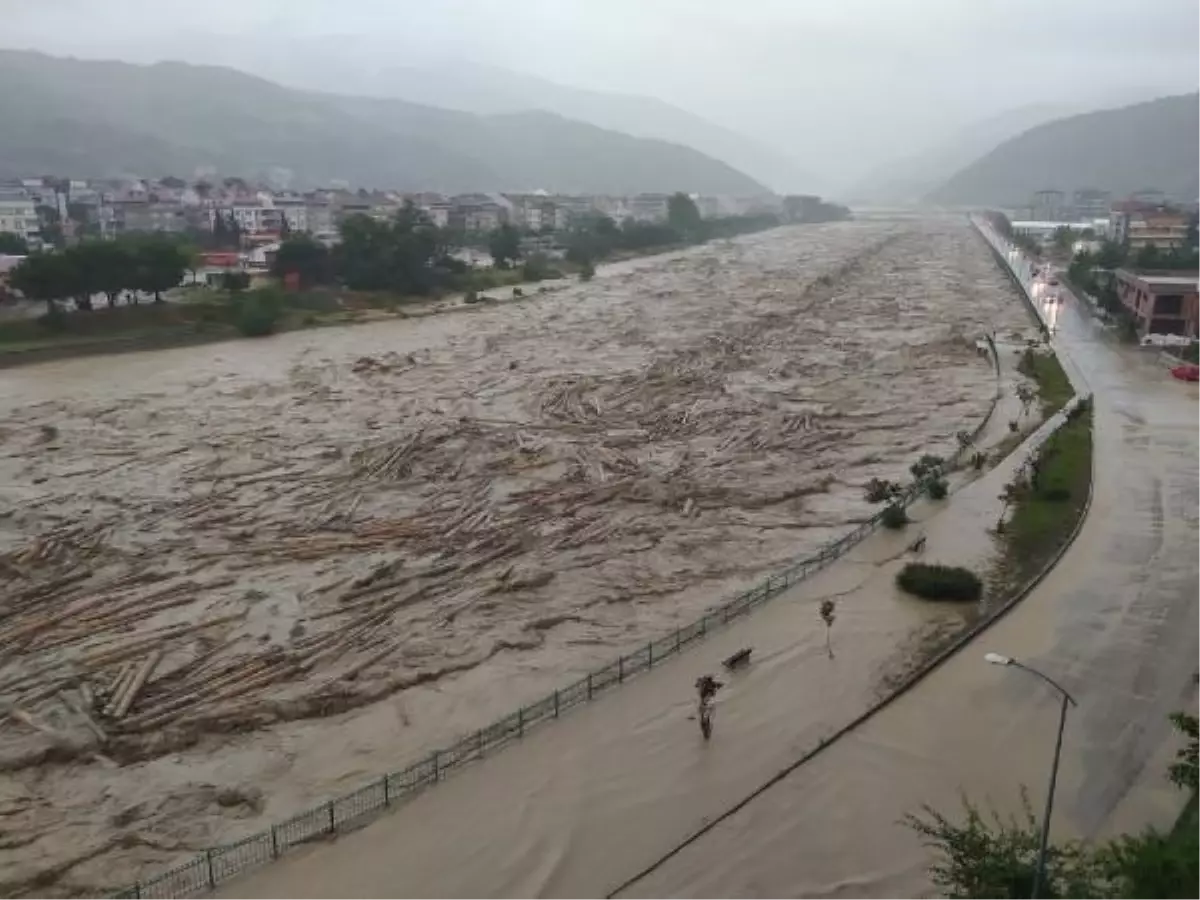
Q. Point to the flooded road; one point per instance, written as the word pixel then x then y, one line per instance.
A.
pixel 335 550
pixel 1116 623
pixel 580 807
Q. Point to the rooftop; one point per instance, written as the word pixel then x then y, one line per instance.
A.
pixel 1164 279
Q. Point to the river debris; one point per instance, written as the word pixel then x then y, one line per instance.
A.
pixel 217 553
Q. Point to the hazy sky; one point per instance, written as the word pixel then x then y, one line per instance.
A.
pixel 840 84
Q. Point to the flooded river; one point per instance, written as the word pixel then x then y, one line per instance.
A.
pixel 334 550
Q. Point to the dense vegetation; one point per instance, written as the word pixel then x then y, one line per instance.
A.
pixel 1046 499
pixel 937 582
pixel 148 263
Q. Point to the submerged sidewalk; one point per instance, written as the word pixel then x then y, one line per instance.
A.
pixel 580 804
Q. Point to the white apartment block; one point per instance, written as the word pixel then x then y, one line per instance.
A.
pixel 18 213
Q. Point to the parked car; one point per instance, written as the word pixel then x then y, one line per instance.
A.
pixel 1187 372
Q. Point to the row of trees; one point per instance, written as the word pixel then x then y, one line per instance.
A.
pixel 599 237
pixel 407 254
pixel 150 264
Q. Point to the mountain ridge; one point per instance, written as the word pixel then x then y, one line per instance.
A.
pixel 1153 144
pixel 173 117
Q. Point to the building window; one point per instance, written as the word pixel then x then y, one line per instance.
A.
pixel 1168 305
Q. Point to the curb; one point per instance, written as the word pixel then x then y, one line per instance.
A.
pixel 927 668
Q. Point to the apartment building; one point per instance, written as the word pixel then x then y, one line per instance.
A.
pixel 1161 302
pixel 18 213
pixel 1139 225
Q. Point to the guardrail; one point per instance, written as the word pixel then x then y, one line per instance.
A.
pixel 345 813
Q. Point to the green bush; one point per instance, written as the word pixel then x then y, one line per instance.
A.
pixel 937 489
pixel 894 517
pixel 938 582
pixel 257 313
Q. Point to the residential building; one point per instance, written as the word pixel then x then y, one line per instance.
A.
pixel 18 213
pixel 649 207
pixel 1090 203
pixel 480 212
pixel 140 215
pixel 438 213
pixel 1161 302
pixel 293 209
pixel 255 217
pixel 1138 225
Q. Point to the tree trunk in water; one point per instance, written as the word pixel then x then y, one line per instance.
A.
pixel 112 299
pixel 158 297
pixel 828 645
pixel 83 303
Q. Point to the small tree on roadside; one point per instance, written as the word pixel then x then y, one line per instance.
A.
pixel 964 440
pixel 828 613
pixel 1026 394
pixel 1010 495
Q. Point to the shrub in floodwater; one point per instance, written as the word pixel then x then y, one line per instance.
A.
pixel 1013 425
pixel 926 466
pixel 937 489
pixel 937 582
pixel 877 490
pixel 586 270
pixel 894 517
pixel 979 460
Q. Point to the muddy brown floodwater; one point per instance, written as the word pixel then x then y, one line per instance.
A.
pixel 267 570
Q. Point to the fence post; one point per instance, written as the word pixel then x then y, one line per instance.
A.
pixel 274 844
pixel 620 669
pixel 479 741
pixel 589 682
pixel 437 765
pixel 678 640
pixel 650 655
pixel 556 703
pixel 387 796
pixel 767 588
pixel 521 722
pixel 212 878
pixel 137 889
pixel 704 624
pixel 332 823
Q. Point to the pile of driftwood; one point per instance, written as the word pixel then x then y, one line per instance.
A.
pixel 385 539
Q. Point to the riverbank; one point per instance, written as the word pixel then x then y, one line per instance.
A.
pixel 204 316
pixel 345 540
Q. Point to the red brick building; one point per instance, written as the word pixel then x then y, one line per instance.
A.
pixel 1161 302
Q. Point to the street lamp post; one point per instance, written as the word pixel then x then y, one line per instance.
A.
pixel 997 659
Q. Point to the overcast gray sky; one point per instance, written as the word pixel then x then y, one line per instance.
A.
pixel 841 84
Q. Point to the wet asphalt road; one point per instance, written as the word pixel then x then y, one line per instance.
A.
pixel 1116 623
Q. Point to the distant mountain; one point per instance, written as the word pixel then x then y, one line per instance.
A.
pixel 908 180
pixel 491 90
pixel 90 118
pixel 1146 145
